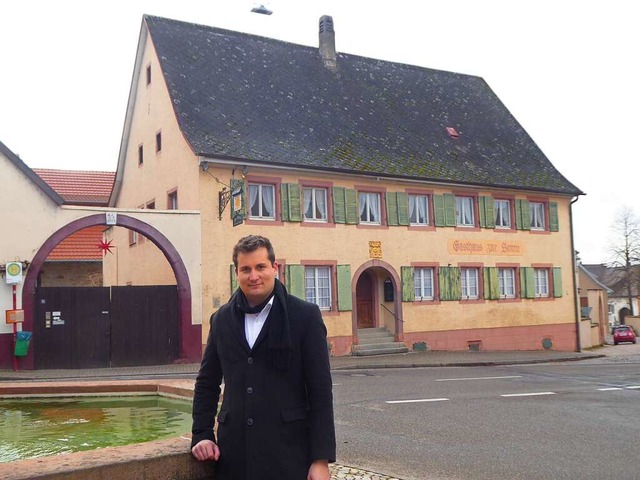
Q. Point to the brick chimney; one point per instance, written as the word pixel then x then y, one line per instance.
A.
pixel 328 43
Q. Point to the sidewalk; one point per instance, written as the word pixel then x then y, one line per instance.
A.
pixel 403 360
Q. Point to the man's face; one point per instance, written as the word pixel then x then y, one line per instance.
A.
pixel 256 275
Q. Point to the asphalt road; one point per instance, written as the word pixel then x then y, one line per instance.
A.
pixel 550 421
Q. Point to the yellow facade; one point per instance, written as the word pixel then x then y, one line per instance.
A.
pixel 520 323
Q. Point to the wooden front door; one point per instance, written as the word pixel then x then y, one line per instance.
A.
pixel 364 301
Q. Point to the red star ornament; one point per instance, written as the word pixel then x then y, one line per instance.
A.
pixel 105 246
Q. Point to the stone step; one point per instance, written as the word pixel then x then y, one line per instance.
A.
pixel 377 339
pixel 380 349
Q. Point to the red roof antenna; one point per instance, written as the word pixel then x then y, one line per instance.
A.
pixel 453 133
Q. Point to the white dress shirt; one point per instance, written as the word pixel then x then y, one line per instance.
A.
pixel 253 323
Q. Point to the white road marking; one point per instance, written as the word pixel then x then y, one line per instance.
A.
pixel 609 389
pixel 477 378
pixel 634 387
pixel 532 394
pixel 420 400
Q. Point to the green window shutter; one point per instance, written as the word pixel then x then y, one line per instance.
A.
pixel 482 212
pixel 527 286
pixel 284 202
pixel 339 211
pixel 449 278
pixel 233 278
pixel 408 286
pixel 392 208
pixel 438 210
pixel 523 218
pixel 295 280
pixel 290 201
pixel 554 225
pixel 491 283
pixel 449 210
pixel 351 206
pixel 557 282
pixel 344 288
pixel 489 212
pixel 403 208
pixel 238 187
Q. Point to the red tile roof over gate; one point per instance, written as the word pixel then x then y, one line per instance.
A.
pixel 80 246
pixel 79 187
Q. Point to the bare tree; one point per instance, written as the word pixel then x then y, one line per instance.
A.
pixel 625 251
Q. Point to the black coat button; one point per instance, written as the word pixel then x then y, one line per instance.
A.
pixel 249 390
pixel 250 360
pixel 249 421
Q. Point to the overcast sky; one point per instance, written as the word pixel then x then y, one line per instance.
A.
pixel 565 69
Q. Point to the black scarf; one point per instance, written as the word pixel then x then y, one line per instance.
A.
pixel 279 346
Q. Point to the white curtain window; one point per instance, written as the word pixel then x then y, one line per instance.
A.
pixel 261 201
pixel 507 282
pixel 541 282
pixel 418 210
pixel 315 204
pixel 317 282
pixel 536 211
pixel 464 212
pixel 370 208
pixel 469 283
pixel 503 213
pixel 423 281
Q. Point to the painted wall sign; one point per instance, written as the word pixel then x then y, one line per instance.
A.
pixel 14 272
pixel 485 247
pixel 375 249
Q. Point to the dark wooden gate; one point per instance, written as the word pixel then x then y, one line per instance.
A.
pixel 72 327
pixel 144 325
pixel 91 327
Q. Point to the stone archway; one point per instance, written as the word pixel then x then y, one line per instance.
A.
pixel 190 335
pixel 397 302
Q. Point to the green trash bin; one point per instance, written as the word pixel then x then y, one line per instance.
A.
pixel 22 344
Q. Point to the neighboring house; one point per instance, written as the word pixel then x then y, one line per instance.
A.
pixel 96 327
pixel 396 196
pixel 594 309
pixel 77 260
pixel 614 279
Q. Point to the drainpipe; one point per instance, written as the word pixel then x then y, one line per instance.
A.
pixel 574 275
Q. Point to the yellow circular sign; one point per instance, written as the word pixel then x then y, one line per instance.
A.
pixel 13 269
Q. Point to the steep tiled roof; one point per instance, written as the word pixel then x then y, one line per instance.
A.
pixel 80 246
pixel 615 278
pixel 79 187
pixel 244 97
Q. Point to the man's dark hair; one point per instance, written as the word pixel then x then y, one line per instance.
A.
pixel 251 243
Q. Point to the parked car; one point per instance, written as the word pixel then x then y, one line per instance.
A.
pixel 623 333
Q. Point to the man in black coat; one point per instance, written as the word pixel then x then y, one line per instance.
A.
pixel 276 418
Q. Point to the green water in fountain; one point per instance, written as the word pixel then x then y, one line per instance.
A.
pixel 31 428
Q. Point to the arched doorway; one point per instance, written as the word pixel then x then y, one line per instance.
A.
pixel 365 294
pixel 367 285
pixel 189 334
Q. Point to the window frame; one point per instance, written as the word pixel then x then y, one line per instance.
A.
pixel 270 181
pixel 333 282
pixel 549 282
pixel 512 215
pixel 502 283
pixel 473 197
pixel 367 193
pixel 479 269
pixel 327 198
pixel 429 219
pixel 545 214
pixel 172 199
pixel 516 281
pixel 158 142
pixel 434 290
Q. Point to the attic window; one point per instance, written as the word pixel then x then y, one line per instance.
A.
pixel 158 142
pixel 453 133
pixel 148 74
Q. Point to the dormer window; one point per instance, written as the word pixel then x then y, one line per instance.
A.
pixel 453 133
